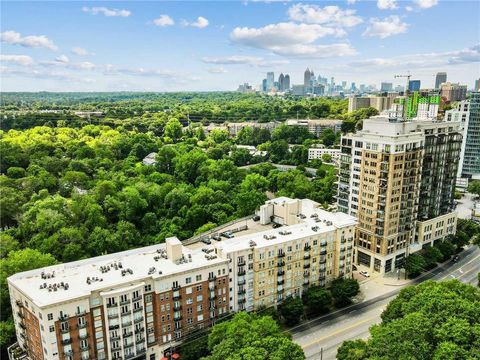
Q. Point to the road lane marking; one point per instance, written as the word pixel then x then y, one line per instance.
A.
pixel 475 258
pixel 340 331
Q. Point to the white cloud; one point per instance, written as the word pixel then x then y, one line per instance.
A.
pixel 383 28
pixel 232 60
pixel 243 60
pixel 164 20
pixel 200 23
pixel 408 8
pixel 290 39
pixel 81 51
pixel 425 4
pixel 106 11
pixel 426 60
pixel 62 59
pixel 31 41
pixel 217 70
pixel 23 60
pixel 387 4
pixel 328 15
pixel 351 2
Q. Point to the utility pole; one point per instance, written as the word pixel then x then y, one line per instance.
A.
pixel 321 353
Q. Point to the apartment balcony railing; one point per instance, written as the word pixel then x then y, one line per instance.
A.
pixel 281 263
pixel 212 278
pixel 281 255
pixel 177 307
pixel 110 305
pixel 176 288
pixel 176 296
pixel 114 338
pixel 66 341
pixel 280 272
pixel 306 256
pixel 241 272
pixel 137 298
pixel 137 320
pixel 82 325
pixel 125 302
pixel 241 282
pixel 241 263
pixel 241 291
pixel 140 308
pixel 306 266
pixel 113 316
pixel 323 252
pixel 63 317
pixel 280 282
pixel 307 247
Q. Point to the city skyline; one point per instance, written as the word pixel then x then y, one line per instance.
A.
pixel 167 46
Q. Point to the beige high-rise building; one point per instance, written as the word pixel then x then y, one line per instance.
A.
pixel 380 183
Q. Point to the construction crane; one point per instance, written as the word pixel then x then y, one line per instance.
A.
pixel 406 92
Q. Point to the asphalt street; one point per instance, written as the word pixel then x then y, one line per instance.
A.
pixel 321 337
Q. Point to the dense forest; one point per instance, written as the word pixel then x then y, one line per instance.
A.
pixel 144 111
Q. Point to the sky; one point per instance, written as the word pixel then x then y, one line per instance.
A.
pixel 217 45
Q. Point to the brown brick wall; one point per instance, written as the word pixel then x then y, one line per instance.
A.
pixel 32 334
pixel 74 333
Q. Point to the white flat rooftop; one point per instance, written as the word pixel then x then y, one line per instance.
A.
pixel 143 263
pixel 323 222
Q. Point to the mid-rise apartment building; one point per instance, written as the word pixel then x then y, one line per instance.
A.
pixel 453 92
pixel 141 303
pixel 317 152
pixel 393 173
pixel 317 126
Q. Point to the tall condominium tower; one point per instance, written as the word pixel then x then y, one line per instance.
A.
pixel 440 79
pixel 307 75
pixel 380 183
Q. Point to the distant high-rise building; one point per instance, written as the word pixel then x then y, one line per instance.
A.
pixel 281 81
pixel 386 86
pixel 399 88
pixel 440 79
pixel 453 92
pixel 362 88
pixel 344 84
pixel 467 113
pixel 307 76
pixel 353 88
pixel 270 80
pixel 264 85
pixel 332 82
pixel 414 85
pixel 477 85
pixel 286 82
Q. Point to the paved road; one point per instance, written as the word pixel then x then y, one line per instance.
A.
pixel 353 322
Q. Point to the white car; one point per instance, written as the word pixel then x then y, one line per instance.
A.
pixel 364 273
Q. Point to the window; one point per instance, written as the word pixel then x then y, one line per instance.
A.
pixel 199 277
pixel 50 316
pixel 188 280
pixel 200 317
pixel 51 328
pixel 199 298
pixel 148 288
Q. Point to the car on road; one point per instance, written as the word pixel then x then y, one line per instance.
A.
pixel 364 273
pixel 455 258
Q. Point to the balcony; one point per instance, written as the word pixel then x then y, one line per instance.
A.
pixel 242 301
pixel 66 341
pixel 342 257
pixel 137 298
pixel 177 307
pixel 116 348
pixel 125 302
pixel 127 334
pixel 241 263
pixel 321 277
pixel 20 315
pixel 127 323
pixel 281 255
pixel 80 313
pixel 82 325
pixel 137 320
pixel 306 282
pixel 323 252
pixel 85 347
pixel 349 247
pixel 241 291
pixel 137 331
pixel 113 316
pixel 280 282
pixel 323 260
pixel 343 240
pixel 323 243
pixel 281 263
pixel 241 282
pixel 241 272
pixel 306 274
pixel 68 352
pixel 140 308
pixel 212 297
pixel 306 256
pixel 176 296
pixel 280 272
pixel 22 325
pixel 306 266
pixel 110 305
pixel 212 278
pixel 307 247
pixel 63 317
pixel 176 288
pixel 116 337
pixel 83 337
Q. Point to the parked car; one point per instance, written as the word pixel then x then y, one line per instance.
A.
pixel 227 234
pixel 216 237
pixel 275 225
pixel 256 218
pixel 364 273
pixel 206 240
